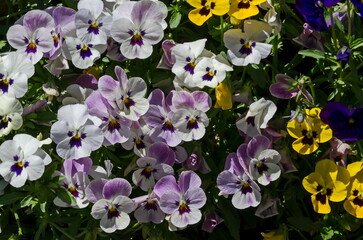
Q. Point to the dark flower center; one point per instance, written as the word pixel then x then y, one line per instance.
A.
pixel 18 167
pixel 308 137
pixel 94 28
pixel 151 205
pixel 128 102
pixel 246 48
pixel 113 125
pixel 147 171
pixel 261 167
pixel 139 144
pixel 31 48
pixel 136 39
pixel 190 67
pixel 112 213
pixel 244 4
pixel 183 208
pixel 358 201
pixel 73 191
pixel 168 126
pixel 251 121
pixel 192 124
pixel 246 188
pixel 323 194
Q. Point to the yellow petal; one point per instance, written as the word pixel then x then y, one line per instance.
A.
pixel 328 169
pixel 320 207
pixel 198 16
pixel 221 7
pixel 353 209
pixel 325 133
pixel 312 181
pixel 195 3
pixel 343 175
pixel 294 128
pixel 354 168
pixel 302 148
pixel 242 13
pixel 339 192
pixel 223 96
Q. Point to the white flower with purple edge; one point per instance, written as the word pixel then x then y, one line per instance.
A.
pixel 156 164
pixel 74 133
pixel 235 180
pixel 257 117
pixel 159 117
pixel 245 47
pixel 182 200
pixel 139 30
pixel 115 128
pixel 10 115
pixel 33 38
pixel 14 73
pixel 22 159
pixel 190 118
pixel 125 95
pixel 82 54
pixel 139 139
pixel 259 160
pixel 113 204
pixel 92 26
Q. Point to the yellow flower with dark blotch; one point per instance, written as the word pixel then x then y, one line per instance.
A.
pixel 309 132
pixel 354 202
pixel 328 182
pixel 242 9
pixel 204 9
pixel 223 96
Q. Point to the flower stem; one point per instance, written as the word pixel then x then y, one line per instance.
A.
pixel 62 231
pixel 334 35
pixel 222 32
pixel 16 216
pixel 349 19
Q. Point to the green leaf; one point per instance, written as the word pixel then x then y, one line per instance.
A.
pixel 66 196
pixel 175 20
pixel 26 201
pixel 46 116
pixel 11 198
pixel 2 44
pixel 302 223
pixel 312 53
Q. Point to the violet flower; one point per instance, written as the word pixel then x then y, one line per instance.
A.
pixel 346 124
pixel 181 200
pixel 113 205
pixel 196 162
pixel 167 61
pixel 237 181
pixel 343 55
pixel 148 209
pixel 211 220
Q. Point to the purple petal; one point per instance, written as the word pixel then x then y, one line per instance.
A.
pixel 195 197
pixel 115 187
pixel 167 183
pixel 331 107
pixel 107 86
pixel 121 76
pixel 257 145
pixel 87 81
pixel 182 100
pixel 228 182
pixel 233 163
pixel 169 202
pixel 36 19
pixel 211 220
pixel 162 153
pixel 94 190
pixel 156 97
pixel 202 100
pixel 188 179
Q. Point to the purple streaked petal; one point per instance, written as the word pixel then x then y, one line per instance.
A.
pixel 182 100
pixel 162 153
pixel 188 179
pixel 107 86
pixel 115 187
pixel 243 201
pixel 257 145
pixel 202 100
pixel 94 190
pixel 167 183
pixel 169 202
pixel 195 197
pixel 211 220
pixel 228 182
pixel 36 19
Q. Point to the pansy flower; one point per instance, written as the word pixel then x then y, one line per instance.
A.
pixel 259 160
pixel 246 47
pixel 139 139
pixel 33 38
pixel 309 133
pixel 138 31
pixel 112 205
pixel 182 200
pixel 223 96
pixel 346 124
pixel 74 133
pixel 204 9
pixel 22 159
pixel 237 181
pixel 148 209
pixel 354 202
pixel 242 9
pixel 10 115
pixel 14 73
pixel 328 182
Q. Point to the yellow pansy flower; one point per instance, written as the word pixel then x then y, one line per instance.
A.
pixel 328 182
pixel 204 9
pixel 223 96
pixel 354 202
pixel 242 9
pixel 309 133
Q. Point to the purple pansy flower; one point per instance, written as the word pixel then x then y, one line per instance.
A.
pixel 237 181
pixel 211 220
pixel 115 128
pixel 190 116
pixel 126 96
pixel 181 200
pixel 310 38
pixel 156 164
pixel 33 38
pixel 139 139
pixel 75 181
pixel 343 55
pixel 346 124
pixel 112 204
pixel 259 160
pixel 138 30
pixel 148 209
pixel 167 61
pixel 196 162
pixel 159 117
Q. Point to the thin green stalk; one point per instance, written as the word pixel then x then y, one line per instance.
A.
pixel 349 19
pixel 62 231
pixel 13 15
pixel 243 75
pixel 275 56
pixel 311 86
pixel 17 219
pixel 222 32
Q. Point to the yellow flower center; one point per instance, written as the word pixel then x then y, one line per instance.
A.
pixel 32 45
pixel 351 121
pixel 20 164
pixel 84 48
